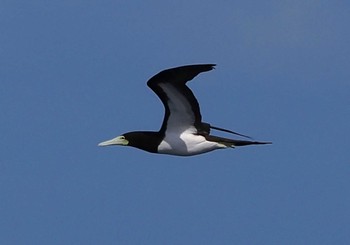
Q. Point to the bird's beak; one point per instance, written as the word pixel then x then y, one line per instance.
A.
pixel 120 140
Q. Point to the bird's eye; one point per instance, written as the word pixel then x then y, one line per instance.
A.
pixel 122 137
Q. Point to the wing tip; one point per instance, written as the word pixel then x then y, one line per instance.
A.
pixel 183 73
pixel 211 66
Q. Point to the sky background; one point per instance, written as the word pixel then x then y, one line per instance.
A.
pixel 73 73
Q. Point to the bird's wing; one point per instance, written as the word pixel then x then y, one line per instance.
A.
pixel 181 106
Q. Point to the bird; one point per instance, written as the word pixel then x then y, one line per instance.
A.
pixel 182 133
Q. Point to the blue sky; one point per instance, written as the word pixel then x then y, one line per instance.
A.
pixel 73 73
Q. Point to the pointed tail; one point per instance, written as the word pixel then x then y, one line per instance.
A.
pixel 245 142
pixel 232 142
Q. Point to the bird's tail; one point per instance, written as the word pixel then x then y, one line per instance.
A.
pixel 233 143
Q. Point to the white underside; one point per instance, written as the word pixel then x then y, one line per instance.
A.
pixel 187 144
pixel 180 136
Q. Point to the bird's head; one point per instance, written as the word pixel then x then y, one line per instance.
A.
pixel 147 141
pixel 120 140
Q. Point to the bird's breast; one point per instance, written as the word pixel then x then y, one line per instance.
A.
pixel 186 144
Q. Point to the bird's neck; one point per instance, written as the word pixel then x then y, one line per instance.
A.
pixel 147 140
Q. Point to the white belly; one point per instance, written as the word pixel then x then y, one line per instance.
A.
pixel 187 144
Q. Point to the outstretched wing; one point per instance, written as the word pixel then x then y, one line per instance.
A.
pixel 181 106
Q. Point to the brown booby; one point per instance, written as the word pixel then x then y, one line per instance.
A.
pixel 182 133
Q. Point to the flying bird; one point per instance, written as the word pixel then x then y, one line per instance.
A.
pixel 182 133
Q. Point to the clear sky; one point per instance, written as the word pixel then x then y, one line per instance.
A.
pixel 73 73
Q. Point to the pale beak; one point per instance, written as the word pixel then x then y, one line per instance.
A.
pixel 120 140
